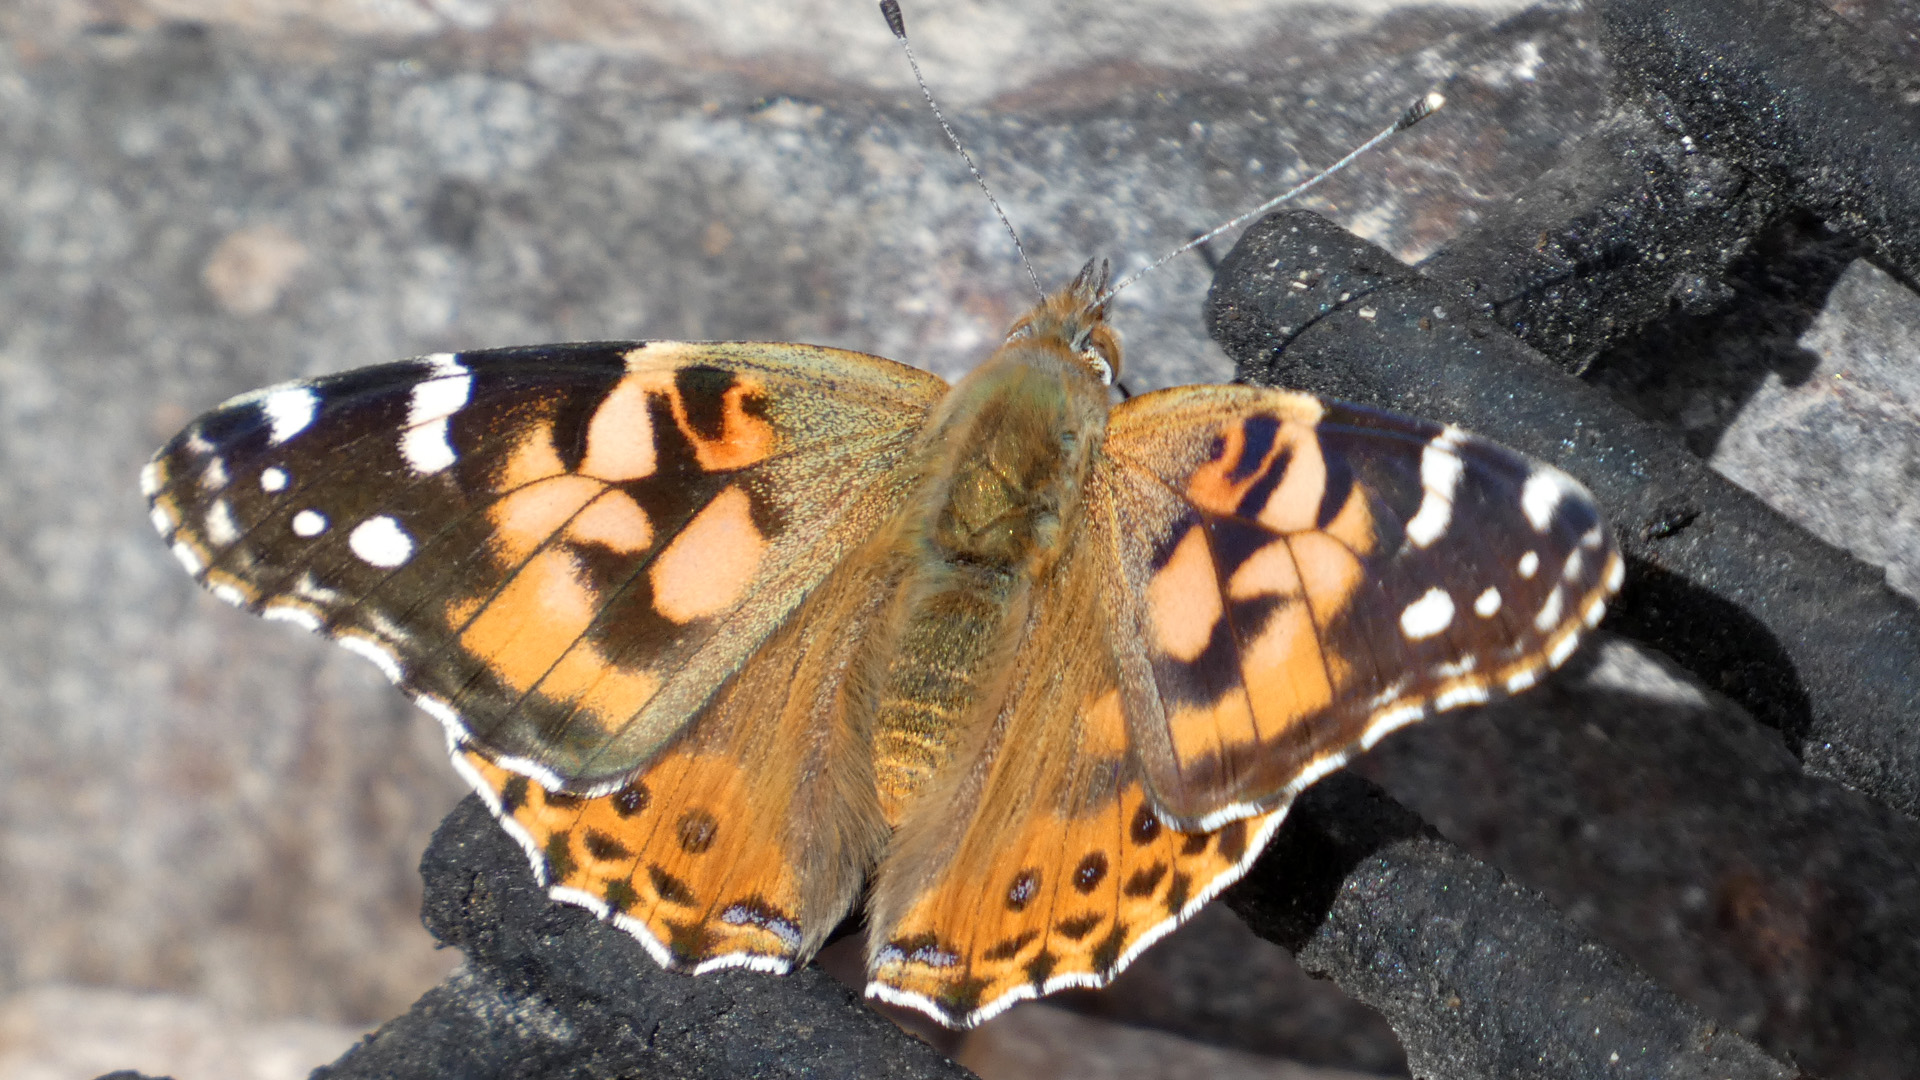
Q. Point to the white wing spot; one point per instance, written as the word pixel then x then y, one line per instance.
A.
pixel 310 589
pixel 1487 603
pixel 289 613
pixel 188 557
pixel 1596 610
pixel 1549 616
pixel 386 629
pixel 771 965
pixel 229 595
pixel 309 523
pixel 162 521
pixel 1522 679
pixel 1529 565
pixel 221 528
pixel 1563 649
pixel 289 409
pixel 1466 694
pixel 1389 722
pixel 381 542
pixel 272 479
pixel 214 476
pixel 1616 574
pixel 1427 616
pixel 426 446
pixel 581 899
pixel 1391 694
pixel 443 712
pixel 388 664
pixel 1541 496
pixel 150 479
pixel 1440 472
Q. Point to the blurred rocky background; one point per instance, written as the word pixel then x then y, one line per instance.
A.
pixel 209 825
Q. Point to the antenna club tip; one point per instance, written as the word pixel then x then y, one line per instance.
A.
pixel 1420 110
pixel 896 22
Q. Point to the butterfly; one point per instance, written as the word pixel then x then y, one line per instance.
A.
pixel 730 634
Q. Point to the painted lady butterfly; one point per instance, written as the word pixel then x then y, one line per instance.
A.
pixel 725 632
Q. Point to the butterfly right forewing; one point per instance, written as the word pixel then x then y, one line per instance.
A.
pixel 1294 578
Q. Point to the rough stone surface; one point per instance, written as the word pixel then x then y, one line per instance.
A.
pixel 71 1032
pixel 1809 98
pixel 1215 981
pixel 1850 413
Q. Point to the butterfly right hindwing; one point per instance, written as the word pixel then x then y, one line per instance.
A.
pixel 1040 862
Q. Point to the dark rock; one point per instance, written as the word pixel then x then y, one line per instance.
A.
pixel 548 990
pixel 1479 976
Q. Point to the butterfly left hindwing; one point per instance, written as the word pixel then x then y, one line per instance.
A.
pixel 745 842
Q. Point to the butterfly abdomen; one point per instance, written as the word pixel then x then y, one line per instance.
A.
pixel 951 634
pixel 1004 470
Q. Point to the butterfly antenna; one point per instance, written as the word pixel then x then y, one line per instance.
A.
pixel 1428 104
pixel 898 24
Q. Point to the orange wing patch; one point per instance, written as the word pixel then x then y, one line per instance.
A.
pixel 1272 472
pixel 725 423
pixel 642 543
pixel 709 565
pixel 727 430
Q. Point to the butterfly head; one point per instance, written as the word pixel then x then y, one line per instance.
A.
pixel 1075 318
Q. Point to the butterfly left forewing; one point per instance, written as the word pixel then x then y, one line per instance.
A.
pixel 1056 870
pixel 563 551
pixel 1294 578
